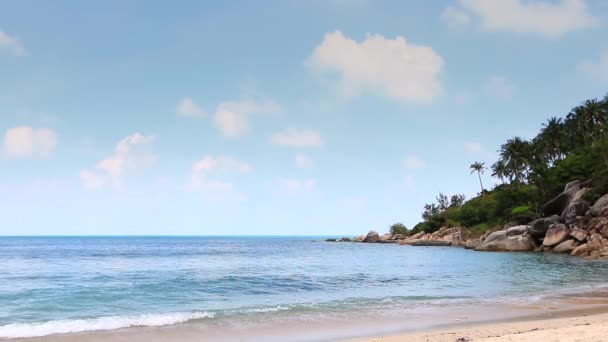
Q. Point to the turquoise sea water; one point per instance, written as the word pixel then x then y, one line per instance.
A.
pixel 54 285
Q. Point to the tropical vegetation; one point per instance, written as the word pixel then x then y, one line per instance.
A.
pixel 531 172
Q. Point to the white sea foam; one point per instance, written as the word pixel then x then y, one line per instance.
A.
pixel 268 309
pixel 17 330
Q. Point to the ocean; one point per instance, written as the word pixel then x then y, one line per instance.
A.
pixel 53 285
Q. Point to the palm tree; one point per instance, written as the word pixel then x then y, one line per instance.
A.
pixel 479 168
pixel 516 157
pixel 499 171
pixel 551 139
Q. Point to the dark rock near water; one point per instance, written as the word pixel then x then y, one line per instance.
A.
pixel 437 243
pixel 538 228
pixel 599 205
pixel 500 242
pixel 472 244
pixel 331 240
pixel 565 247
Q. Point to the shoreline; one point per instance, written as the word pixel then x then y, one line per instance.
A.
pixel 485 322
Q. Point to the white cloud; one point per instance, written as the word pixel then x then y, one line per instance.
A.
pixel 546 18
pixel 499 87
pixel 303 161
pixel 393 67
pixel 595 69
pixel 413 163
pixel 11 45
pixel 296 185
pixel 207 173
pixel 187 108
pixel 455 17
pixel 297 138
pixel 131 153
pixel 232 118
pixel 473 147
pixel 25 141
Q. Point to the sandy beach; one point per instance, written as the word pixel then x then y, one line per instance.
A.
pixel 588 328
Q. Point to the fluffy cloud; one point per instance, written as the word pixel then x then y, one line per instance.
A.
pixel 473 147
pixel 393 67
pixel 187 108
pixel 455 17
pixel 595 69
pixel 413 163
pixel 296 185
pixel 547 18
pixel 11 45
pixel 303 161
pixel 207 173
pixel 130 153
pixel 25 141
pixel 297 138
pixel 232 118
pixel 498 87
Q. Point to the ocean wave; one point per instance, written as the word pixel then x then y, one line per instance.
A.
pixel 267 309
pixel 20 330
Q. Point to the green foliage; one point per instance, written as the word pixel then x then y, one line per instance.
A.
pixel 399 228
pixel 533 172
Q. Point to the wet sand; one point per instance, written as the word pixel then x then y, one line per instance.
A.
pixel 563 318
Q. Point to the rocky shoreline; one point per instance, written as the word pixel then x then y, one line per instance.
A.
pixel 571 225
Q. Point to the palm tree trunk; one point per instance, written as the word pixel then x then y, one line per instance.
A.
pixel 480 183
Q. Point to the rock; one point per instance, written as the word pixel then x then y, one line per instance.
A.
pixel 538 228
pixel 399 237
pixel 565 247
pixel 371 237
pixel 517 230
pixel 504 243
pixel 385 238
pixel 556 234
pixel 600 204
pixel 580 250
pixel 557 205
pixel 359 238
pixel 572 185
pixel 579 234
pixel 417 235
pixel 472 244
pixel 345 239
pixel 331 240
pixel 501 234
pixel 437 243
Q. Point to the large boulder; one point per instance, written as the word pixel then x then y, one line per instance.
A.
pixel 517 230
pixel 557 205
pixel 565 247
pixel 580 250
pixel 538 228
pixel 600 204
pixel 500 242
pixel 556 234
pixel 579 234
pixel 371 237
pixel 472 243
pixel 577 206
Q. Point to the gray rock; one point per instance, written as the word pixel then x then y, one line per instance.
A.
pixel 538 228
pixel 399 237
pixel 557 205
pixel 371 237
pixel 437 243
pixel 517 230
pixel 345 239
pixel 386 238
pixel 331 240
pixel 556 234
pixel 565 247
pixel 507 244
pixel 472 244
pixel 580 250
pixel 572 185
pixel 501 234
pixel 600 204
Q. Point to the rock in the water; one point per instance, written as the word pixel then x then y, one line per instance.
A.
pixel 538 228
pixel 386 238
pixel 472 244
pixel 399 237
pixel 359 238
pixel 556 234
pixel 345 239
pixel 600 204
pixel 565 247
pixel 331 240
pixel 371 237
pixel 437 243
pixel 500 242
pixel 580 250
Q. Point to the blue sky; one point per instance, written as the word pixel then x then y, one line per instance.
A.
pixel 275 117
